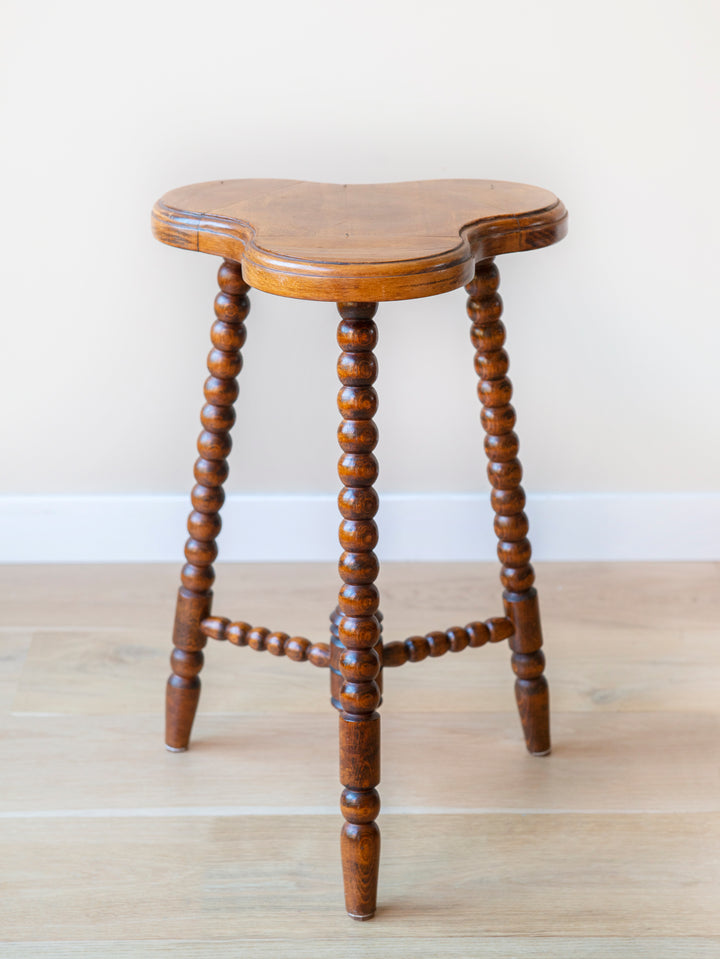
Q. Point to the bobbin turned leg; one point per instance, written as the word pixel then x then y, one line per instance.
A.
pixel 336 648
pixel 508 500
pixel 358 627
pixel 211 470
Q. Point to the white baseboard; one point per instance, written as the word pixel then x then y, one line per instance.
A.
pixel 433 526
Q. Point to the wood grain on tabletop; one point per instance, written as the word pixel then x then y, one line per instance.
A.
pixel 371 242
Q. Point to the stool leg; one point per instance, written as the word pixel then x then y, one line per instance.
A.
pixel 336 649
pixel 508 500
pixel 211 470
pixel 358 627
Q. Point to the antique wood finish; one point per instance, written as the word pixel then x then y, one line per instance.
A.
pixel 358 626
pixel 345 242
pixel 453 640
pixel 297 648
pixel 357 245
pixel 336 648
pixel 211 470
pixel 508 500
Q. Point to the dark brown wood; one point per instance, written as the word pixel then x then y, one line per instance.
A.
pixel 358 601
pixel 357 245
pixel 508 500
pixel 453 640
pixel 336 648
pixel 277 644
pixel 195 595
pixel 345 242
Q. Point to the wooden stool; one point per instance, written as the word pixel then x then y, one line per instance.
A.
pixel 357 245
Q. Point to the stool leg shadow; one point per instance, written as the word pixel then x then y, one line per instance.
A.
pixel 484 307
pixel 211 470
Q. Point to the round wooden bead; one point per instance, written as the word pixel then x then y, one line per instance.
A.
pixel 199 553
pixel 528 666
pixel 218 419
pixel 458 637
pixel 212 473
pixel 357 402
pixel 497 421
pixel 491 365
pixel 357 369
pixel 319 654
pixel 357 330
pixel 517 580
pixel 275 643
pixel 511 528
pixel 221 392
pixel 514 554
pixel 487 335
pixel 507 502
pixel 418 648
pixel 297 648
pixel 484 307
pixel 479 634
pixel 229 337
pixel 360 806
pixel 199 579
pixel 359 697
pixel 358 535
pixel 358 568
pixel 214 446
pixel 486 280
pixel 232 311
pixel 502 449
pixel 505 475
pixel 357 469
pixel 256 638
pixel 205 526
pixel 438 642
pixel 357 436
pixel 359 503
pixel 185 663
pixel 358 633
pixel 495 392
pixel 237 633
pixel 359 665
pixel 207 499
pixel 230 278
pixel 358 600
pixel 224 365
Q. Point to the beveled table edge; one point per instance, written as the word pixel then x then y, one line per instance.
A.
pixel 301 278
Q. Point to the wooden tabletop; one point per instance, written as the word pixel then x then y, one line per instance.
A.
pixel 381 241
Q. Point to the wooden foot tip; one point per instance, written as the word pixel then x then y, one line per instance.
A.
pixel 545 752
pixel 176 749
pixel 361 918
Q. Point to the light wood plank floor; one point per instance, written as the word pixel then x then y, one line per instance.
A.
pixel 112 847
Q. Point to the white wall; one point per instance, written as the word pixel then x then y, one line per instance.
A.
pixel 613 335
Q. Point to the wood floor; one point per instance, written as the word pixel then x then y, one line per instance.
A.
pixel 112 847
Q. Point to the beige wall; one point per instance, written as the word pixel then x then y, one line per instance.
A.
pixel 614 334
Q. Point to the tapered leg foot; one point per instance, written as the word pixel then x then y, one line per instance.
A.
pixel 180 707
pixel 533 701
pixel 508 500
pixel 528 663
pixel 360 849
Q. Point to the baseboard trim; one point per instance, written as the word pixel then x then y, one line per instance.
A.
pixel 432 526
